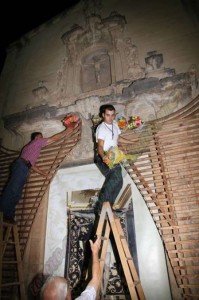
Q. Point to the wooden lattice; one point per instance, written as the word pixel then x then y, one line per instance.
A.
pixel 36 186
pixel 166 173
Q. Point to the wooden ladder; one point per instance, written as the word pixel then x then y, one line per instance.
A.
pixel 9 236
pixel 108 221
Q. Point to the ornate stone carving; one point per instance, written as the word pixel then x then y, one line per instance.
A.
pixel 154 61
pixel 134 70
pixel 154 66
pixel 99 55
pixel 91 7
pixel 41 92
pixel 96 71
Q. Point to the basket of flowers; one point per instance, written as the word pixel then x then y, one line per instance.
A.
pixel 70 120
pixel 132 122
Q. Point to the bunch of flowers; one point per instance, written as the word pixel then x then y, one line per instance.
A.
pixel 70 119
pixel 131 123
pixel 114 156
pixel 134 122
pixel 96 119
pixel 122 123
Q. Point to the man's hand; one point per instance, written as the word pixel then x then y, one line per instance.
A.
pixel 95 247
pixel 63 133
pixel 106 160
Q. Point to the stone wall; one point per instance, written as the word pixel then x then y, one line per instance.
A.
pixel 141 56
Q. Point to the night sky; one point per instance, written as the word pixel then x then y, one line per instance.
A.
pixel 17 18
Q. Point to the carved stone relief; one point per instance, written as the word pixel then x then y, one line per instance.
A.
pixel 41 92
pixel 99 55
pixel 134 70
pixel 154 66
pixel 96 71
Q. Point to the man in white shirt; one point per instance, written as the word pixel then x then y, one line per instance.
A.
pixel 107 135
pixel 56 287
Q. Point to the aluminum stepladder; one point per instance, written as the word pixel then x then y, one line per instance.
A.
pixel 107 222
pixel 9 236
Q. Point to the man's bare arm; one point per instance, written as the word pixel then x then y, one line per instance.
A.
pixel 96 271
pixel 100 146
pixel 62 134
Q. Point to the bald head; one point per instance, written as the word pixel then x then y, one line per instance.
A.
pixel 55 288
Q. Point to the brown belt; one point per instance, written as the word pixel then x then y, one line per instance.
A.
pixel 26 162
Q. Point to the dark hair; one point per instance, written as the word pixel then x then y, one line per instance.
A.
pixel 34 134
pixel 105 107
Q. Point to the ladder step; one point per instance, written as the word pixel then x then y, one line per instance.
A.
pixel 9 242
pixel 136 283
pixel 128 258
pixel 7 224
pixel 10 262
pixel 10 284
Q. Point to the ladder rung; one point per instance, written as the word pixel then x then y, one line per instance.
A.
pixel 10 284
pixel 9 242
pixel 10 262
pixel 136 283
pixel 103 238
pixel 128 258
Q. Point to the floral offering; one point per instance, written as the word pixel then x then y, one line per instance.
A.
pixel 122 123
pixel 132 123
pixel 114 156
pixel 70 119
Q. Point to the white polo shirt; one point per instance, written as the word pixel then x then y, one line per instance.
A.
pixel 88 294
pixel 109 134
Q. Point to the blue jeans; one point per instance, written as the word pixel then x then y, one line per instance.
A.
pixel 112 184
pixel 13 190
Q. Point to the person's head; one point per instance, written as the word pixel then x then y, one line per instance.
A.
pixel 55 288
pixel 36 135
pixel 107 112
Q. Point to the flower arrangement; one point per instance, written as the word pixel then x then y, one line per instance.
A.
pixel 122 123
pixel 132 123
pixel 96 119
pixel 114 156
pixel 70 119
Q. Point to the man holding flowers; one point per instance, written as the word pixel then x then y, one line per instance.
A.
pixel 107 135
pixel 21 168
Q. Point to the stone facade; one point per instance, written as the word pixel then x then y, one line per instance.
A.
pixel 141 56
pixel 110 53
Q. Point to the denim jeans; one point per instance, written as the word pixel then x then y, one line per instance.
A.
pixel 112 184
pixel 13 190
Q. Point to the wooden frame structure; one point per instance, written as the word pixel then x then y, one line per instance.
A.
pixel 166 173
